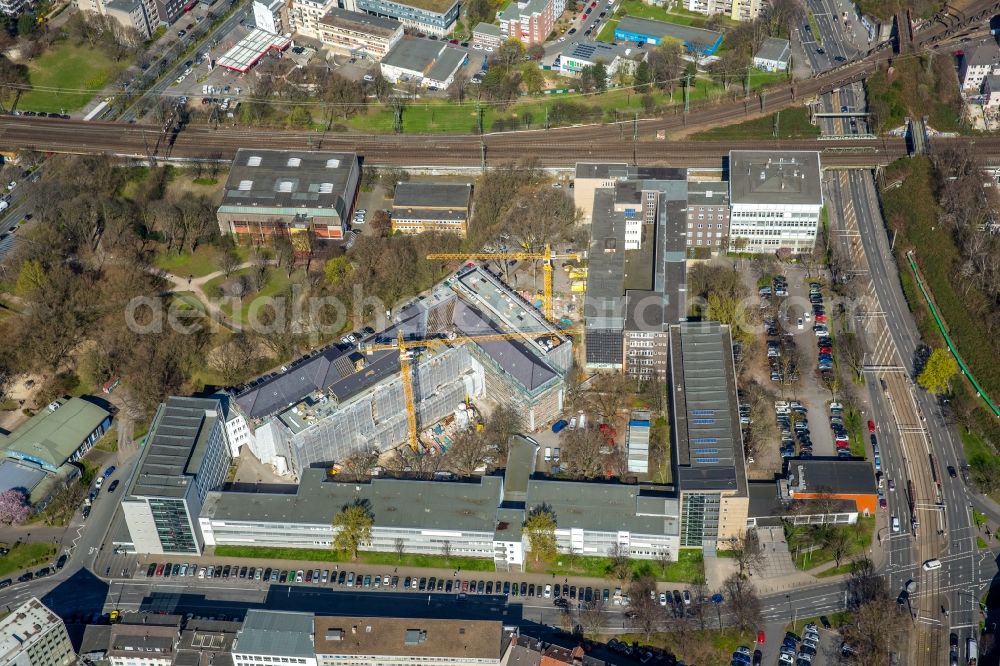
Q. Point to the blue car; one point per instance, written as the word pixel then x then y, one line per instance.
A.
pixel 109 471
pixel 559 425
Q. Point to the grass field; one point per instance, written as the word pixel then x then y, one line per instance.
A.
pixel 802 537
pixel 673 14
pixel 24 556
pixel 688 568
pixel 68 67
pixel 792 124
pixel 201 262
pixel 724 642
pixel 387 559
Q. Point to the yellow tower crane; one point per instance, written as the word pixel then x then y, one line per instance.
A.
pixel 547 257
pixel 406 348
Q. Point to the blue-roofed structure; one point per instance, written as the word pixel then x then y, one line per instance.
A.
pixel 696 40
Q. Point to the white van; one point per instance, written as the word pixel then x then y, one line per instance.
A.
pixel 548 453
pixel 895 524
pixel 930 565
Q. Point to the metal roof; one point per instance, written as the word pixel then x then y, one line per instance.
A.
pixel 433 195
pixel 660 29
pixel 773 49
pixel 175 446
pixel 414 54
pixel 52 436
pixel 602 170
pixel 278 633
pixel 710 446
pixel 761 177
pixel 290 179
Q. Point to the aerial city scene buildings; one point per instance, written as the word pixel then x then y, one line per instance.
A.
pixel 526 333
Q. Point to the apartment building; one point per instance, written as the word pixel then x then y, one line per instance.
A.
pixel 186 455
pixel 275 638
pixel 359 34
pixel 145 640
pixel 710 467
pixel 269 16
pixel 32 635
pixel 708 216
pixel 977 61
pixel 432 17
pixel 288 192
pixel 531 21
pixel 487 35
pixel 775 201
pixel 305 17
pixel 737 10
pixel 130 15
pixel 372 641
pixel 420 207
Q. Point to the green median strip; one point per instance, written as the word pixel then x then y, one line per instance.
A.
pixel 364 557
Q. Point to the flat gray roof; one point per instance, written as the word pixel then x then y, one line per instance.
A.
pixel 645 310
pixel 654 28
pixel 447 63
pixel 841 477
pixel 602 170
pixel 400 503
pixel 771 177
pixel 414 53
pixel 433 195
pixel 379 26
pixel 411 638
pixel 175 446
pixel 605 302
pixel 279 633
pixel 52 436
pixel 602 507
pixel 710 446
pixel 774 49
pixel 488 29
pixel 290 179
pixel 708 194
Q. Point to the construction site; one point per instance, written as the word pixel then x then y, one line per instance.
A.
pixel 472 338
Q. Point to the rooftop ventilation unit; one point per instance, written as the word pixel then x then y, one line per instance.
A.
pixel 326 188
pixel 254 160
pixel 332 163
pixel 245 185
pixel 284 186
pixel 294 161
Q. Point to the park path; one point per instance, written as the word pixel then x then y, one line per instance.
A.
pixel 196 286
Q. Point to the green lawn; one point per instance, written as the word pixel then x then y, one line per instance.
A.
pixel 792 124
pixel 981 543
pixel 66 67
pixel 688 569
pixel 675 14
pixel 24 556
pixel 801 537
pixel 724 643
pixel 201 262
pixel 387 559
pixel 607 33
pixel 277 281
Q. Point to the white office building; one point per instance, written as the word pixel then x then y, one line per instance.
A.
pixel 270 638
pixel 32 635
pixel 775 199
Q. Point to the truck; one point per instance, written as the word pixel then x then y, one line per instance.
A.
pixel 971 651
pixel 4 205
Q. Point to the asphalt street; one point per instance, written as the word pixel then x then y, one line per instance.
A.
pixel 842 40
pixel 10 222
pixel 168 78
pixel 965 569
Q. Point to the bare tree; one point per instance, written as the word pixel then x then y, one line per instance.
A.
pixel 581 455
pixel 400 546
pixel 875 633
pixel 643 606
pixel 446 552
pixel 592 620
pixel 621 563
pixel 838 542
pixel 469 451
pixel 742 602
pixel 699 600
pixel 747 552
pixel 664 559
pixel 865 584
pixel 608 395
pixel 504 422
pixel 852 350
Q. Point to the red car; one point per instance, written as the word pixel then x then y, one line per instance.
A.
pixel 842 444
pixel 882 503
pixel 820 318
pixel 760 637
pixel 871 426
pixel 826 350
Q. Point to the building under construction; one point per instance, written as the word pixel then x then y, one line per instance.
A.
pixel 343 399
